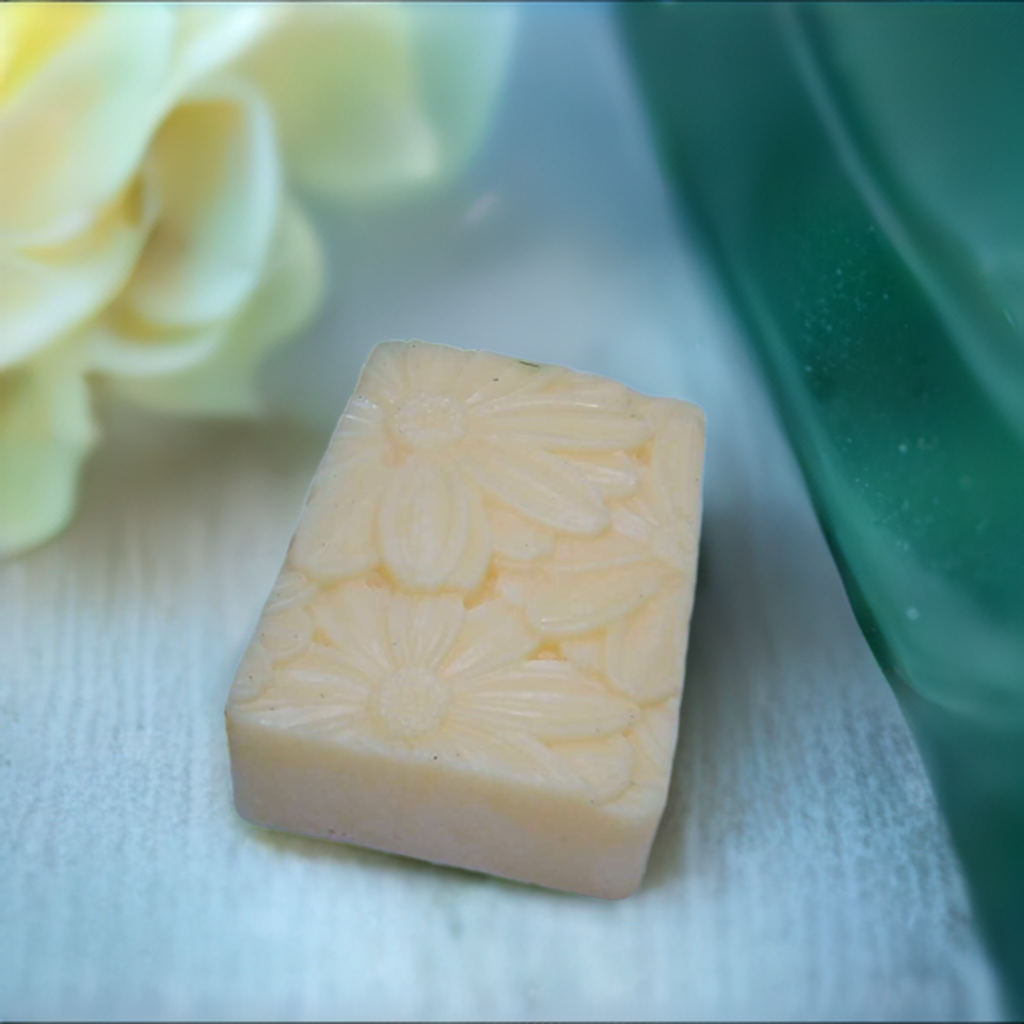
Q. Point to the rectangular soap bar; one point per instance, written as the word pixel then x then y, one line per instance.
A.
pixel 474 651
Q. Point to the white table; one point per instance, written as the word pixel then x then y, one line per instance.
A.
pixel 802 869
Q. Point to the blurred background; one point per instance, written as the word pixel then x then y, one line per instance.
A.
pixel 208 219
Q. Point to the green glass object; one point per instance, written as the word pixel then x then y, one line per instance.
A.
pixel 857 174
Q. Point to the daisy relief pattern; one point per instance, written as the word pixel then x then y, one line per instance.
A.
pixel 494 570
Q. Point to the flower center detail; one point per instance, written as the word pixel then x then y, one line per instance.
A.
pixel 413 701
pixel 428 421
pixel 673 545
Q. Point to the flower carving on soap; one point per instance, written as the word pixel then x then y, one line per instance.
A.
pixel 444 458
pixel 423 675
pixel 494 571
pixel 622 600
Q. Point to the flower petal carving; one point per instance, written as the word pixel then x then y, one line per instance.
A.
pixel 519 539
pixel 422 630
pixel 540 486
pixel 423 524
pixel 336 538
pixel 571 604
pixel 472 567
pixel 254 675
pixel 285 633
pixel 605 766
pixel 614 474
pixel 547 699
pixel 647 648
pixel 494 636
pixel 354 618
pixel 559 424
pixel 495 570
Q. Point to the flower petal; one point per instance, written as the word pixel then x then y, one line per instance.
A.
pixel 615 474
pixel 74 128
pixel 540 486
pixel 654 740
pixel 47 291
pixel 210 36
pixel 345 457
pixel 472 568
pixel 597 392
pixel 292 283
pixel 254 675
pixel 46 431
pixel 487 752
pixel 292 588
pixel 383 380
pixel 335 537
pixel 572 604
pixel 677 457
pixel 586 653
pixel 605 766
pixel 432 369
pixel 547 699
pixel 406 92
pixel 423 629
pixel 327 670
pixel 354 617
pixel 561 424
pixel 320 693
pixel 609 551
pixel 517 538
pixel 636 519
pixel 214 165
pixel 286 633
pixel 310 718
pixel 342 83
pixel 488 379
pixel 125 348
pixel 646 650
pixel 361 423
pixel 423 524
pixel 494 635
pixel 462 54
pixel 219 375
pixel 513 585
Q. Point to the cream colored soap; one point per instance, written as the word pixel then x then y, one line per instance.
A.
pixel 474 652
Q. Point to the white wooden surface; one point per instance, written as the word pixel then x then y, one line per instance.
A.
pixel 802 869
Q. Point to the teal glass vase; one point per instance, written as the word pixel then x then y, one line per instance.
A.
pixel 857 175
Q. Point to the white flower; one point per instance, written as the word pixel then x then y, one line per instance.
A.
pixel 425 677
pixel 370 98
pixel 224 231
pixel 145 226
pixel 430 436
pixel 83 88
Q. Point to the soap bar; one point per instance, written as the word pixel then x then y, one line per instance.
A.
pixel 474 651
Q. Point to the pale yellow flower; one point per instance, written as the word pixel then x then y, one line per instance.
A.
pixel 440 462
pixel 213 168
pixel 370 98
pixel 45 432
pixel 219 370
pixel 145 223
pixel 83 88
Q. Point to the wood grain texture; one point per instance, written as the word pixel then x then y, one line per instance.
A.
pixel 802 869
